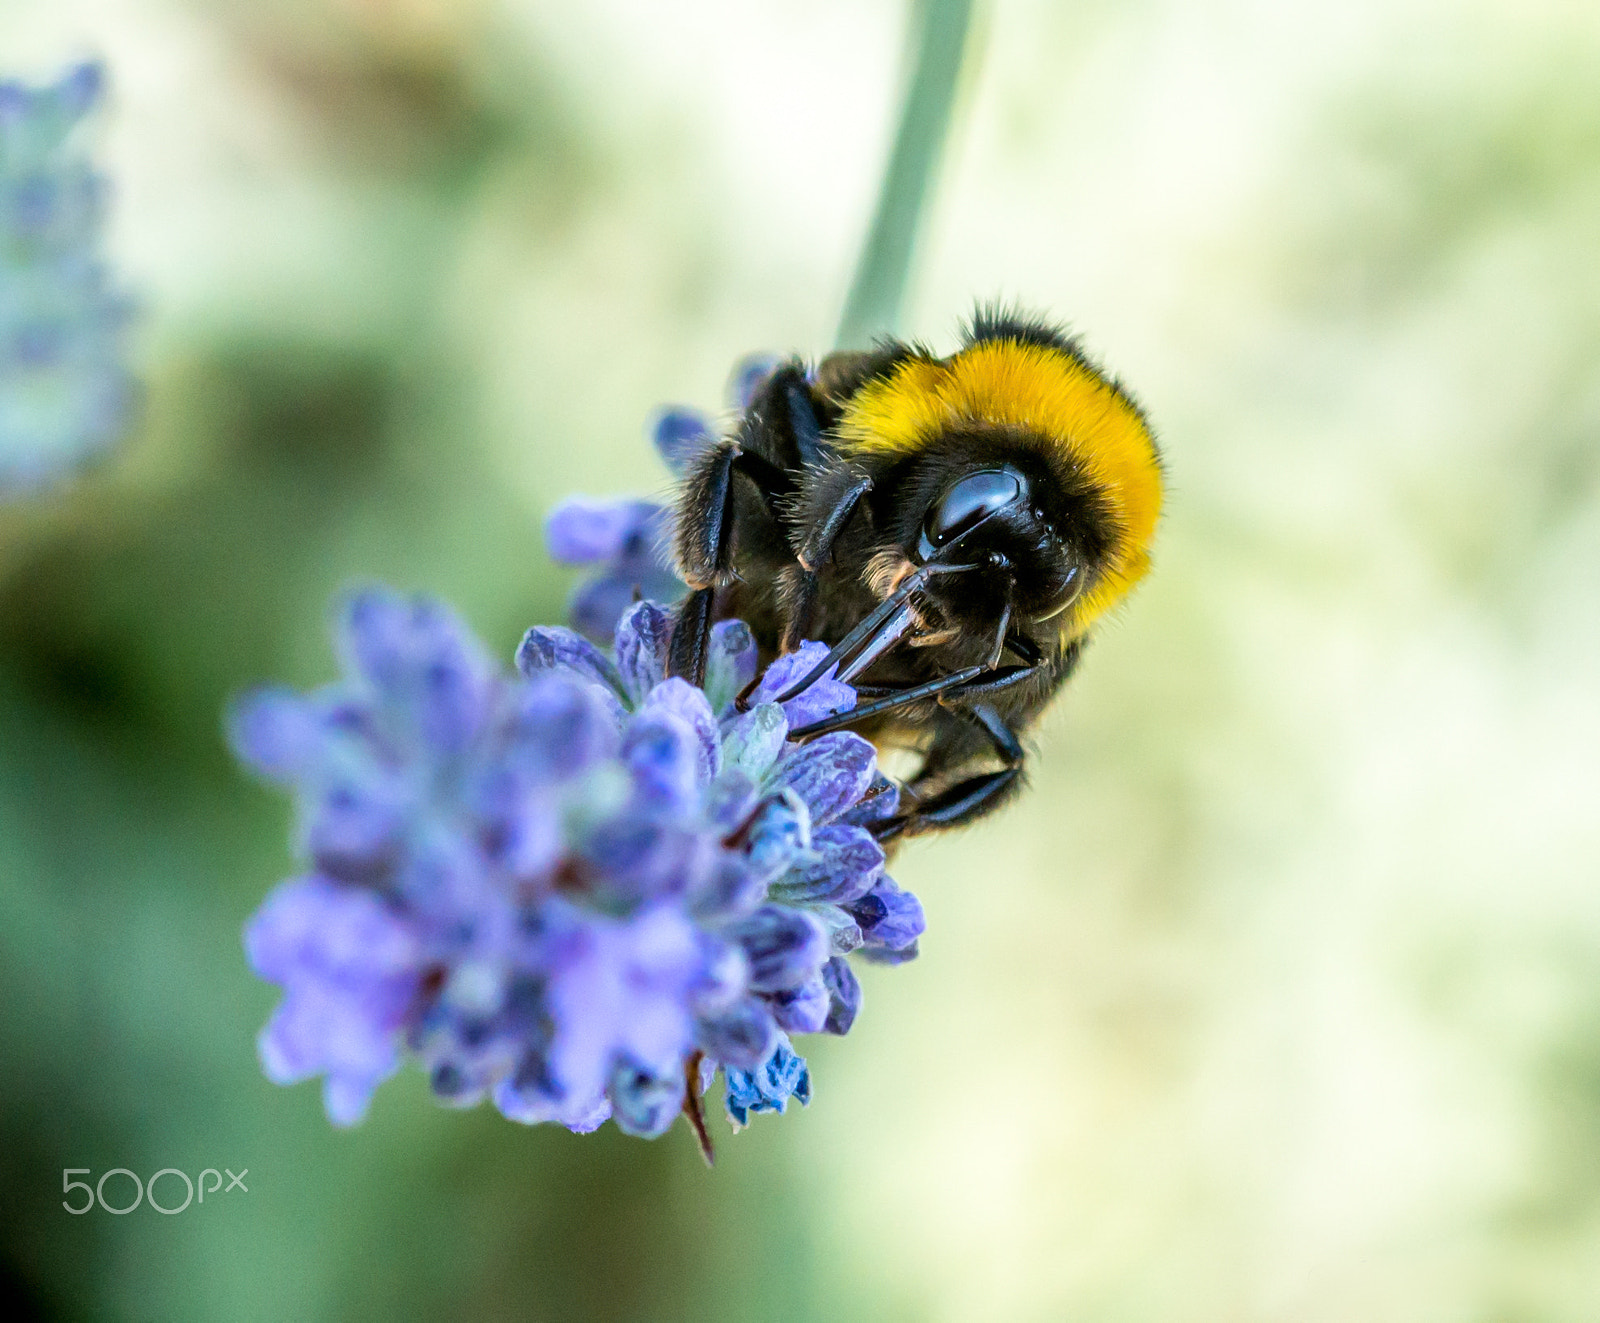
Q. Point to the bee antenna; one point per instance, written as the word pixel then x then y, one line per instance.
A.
pixel 870 634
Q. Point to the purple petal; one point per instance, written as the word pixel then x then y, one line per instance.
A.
pixel 455 696
pixel 456 898
pixel 680 433
pixel 666 760
pixel 802 1010
pixel 731 660
pixel 547 648
pixel 82 87
pixel 277 733
pixel 883 955
pixel 355 825
pixel 596 607
pixel 842 866
pixel 585 529
pixel 688 705
pixel 631 860
pixel 779 834
pixel 643 635
pixel 743 1036
pixel 345 1098
pixel 349 970
pixel 620 990
pixel 786 670
pixel 529 842
pixel 531 1097
pixel 310 926
pixel 784 946
pixel 730 801
pixel 644 1103
pixel 552 730
pixel 753 740
pixel 556 727
pixel 844 995
pixel 730 891
pixel 723 978
pixel 328 1029
pixel 830 773
pixel 889 917
pixel 417 655
pixel 822 699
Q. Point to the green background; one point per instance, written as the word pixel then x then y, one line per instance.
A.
pixel 1277 998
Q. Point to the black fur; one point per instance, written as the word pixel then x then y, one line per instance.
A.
pixel 996 321
pixel 807 540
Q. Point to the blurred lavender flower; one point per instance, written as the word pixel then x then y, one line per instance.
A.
pixel 64 392
pixel 679 433
pixel 565 889
pixel 769 1087
pixel 630 539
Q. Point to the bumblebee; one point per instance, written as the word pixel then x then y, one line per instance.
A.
pixel 953 528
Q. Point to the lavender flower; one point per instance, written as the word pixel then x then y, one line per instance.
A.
pixel 564 888
pixel 64 392
pixel 627 538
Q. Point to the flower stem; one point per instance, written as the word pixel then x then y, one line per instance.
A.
pixel 692 1108
pixel 939 31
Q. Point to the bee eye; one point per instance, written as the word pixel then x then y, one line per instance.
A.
pixel 967 503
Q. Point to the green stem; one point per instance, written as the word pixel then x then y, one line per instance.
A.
pixel 940 29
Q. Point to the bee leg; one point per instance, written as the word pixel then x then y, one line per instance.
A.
pixel 888 703
pixel 990 682
pixel 799 598
pixel 1024 647
pixel 691 632
pixel 816 549
pixel 818 545
pixel 705 544
pixel 881 629
pixel 970 799
pixel 803 420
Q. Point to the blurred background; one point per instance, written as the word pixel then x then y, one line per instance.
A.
pixel 1278 998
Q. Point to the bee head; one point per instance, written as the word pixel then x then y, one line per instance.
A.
pixel 1036 546
pixel 1017 450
